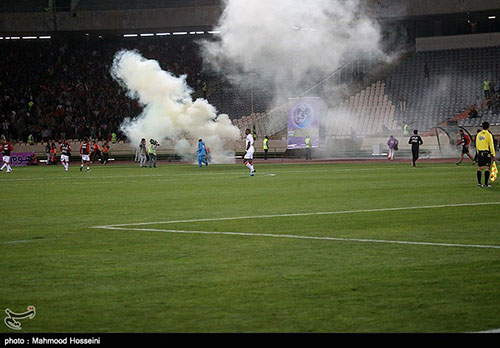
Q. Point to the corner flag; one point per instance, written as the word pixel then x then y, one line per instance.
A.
pixel 494 172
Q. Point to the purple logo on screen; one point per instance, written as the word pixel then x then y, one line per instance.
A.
pixel 302 115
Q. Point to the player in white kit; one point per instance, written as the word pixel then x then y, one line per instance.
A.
pixel 249 150
pixel 65 149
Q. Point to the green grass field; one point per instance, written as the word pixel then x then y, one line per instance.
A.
pixel 393 248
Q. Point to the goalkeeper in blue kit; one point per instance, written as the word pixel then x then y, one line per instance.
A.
pixel 202 153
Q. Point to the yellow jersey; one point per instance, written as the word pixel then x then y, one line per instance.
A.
pixel 484 142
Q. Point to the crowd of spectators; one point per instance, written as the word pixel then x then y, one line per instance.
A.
pixel 56 89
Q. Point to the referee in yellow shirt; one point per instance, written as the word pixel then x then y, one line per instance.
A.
pixel 485 154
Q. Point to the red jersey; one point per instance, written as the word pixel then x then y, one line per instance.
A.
pixel 464 140
pixel 6 149
pixel 85 149
pixel 65 149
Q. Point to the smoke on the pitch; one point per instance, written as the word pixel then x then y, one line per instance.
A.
pixel 169 111
pixel 291 48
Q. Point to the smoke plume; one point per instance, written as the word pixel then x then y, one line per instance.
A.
pixel 290 42
pixel 169 111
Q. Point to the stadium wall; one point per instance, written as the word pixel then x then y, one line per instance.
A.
pixel 119 20
pixel 418 8
pixel 277 147
pixel 457 42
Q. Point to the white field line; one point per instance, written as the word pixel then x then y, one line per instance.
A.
pixel 126 227
pixel 305 214
pixel 489 331
pixel 301 237
pixel 92 176
pixel 16 241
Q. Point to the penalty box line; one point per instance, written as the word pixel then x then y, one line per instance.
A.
pixel 303 214
pixel 361 240
pixel 338 239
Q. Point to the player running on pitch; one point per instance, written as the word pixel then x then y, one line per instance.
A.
pixel 415 141
pixel 6 150
pixel 464 142
pixel 85 154
pixel 249 150
pixel 65 149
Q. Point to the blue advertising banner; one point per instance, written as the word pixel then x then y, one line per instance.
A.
pixel 303 121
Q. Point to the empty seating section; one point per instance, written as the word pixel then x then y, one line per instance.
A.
pixel 368 112
pixel 453 83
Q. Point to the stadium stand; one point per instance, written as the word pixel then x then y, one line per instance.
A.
pixel 23 6
pixel 93 5
pixel 53 105
pixel 73 98
pixel 368 112
pixel 423 91
pixel 243 99
pixel 453 84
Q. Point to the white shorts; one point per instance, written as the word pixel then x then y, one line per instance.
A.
pixel 64 158
pixel 85 158
pixel 249 153
pixel 6 159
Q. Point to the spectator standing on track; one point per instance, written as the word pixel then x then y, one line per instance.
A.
pixel 105 153
pixel 96 152
pixel 415 141
pixel 53 153
pixel 143 153
pixel 47 152
pixel 392 143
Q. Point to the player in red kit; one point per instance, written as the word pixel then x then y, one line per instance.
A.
pixel 6 150
pixel 464 142
pixel 65 149
pixel 85 154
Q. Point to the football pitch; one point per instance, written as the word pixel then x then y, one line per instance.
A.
pixel 332 247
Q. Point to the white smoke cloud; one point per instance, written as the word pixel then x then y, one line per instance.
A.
pixel 169 111
pixel 290 41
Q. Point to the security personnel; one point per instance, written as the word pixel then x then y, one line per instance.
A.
pixel 308 147
pixel 415 141
pixel 405 130
pixel 485 153
pixel 265 146
pixel 113 138
pixel 31 140
pixel 486 88
pixel 152 152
